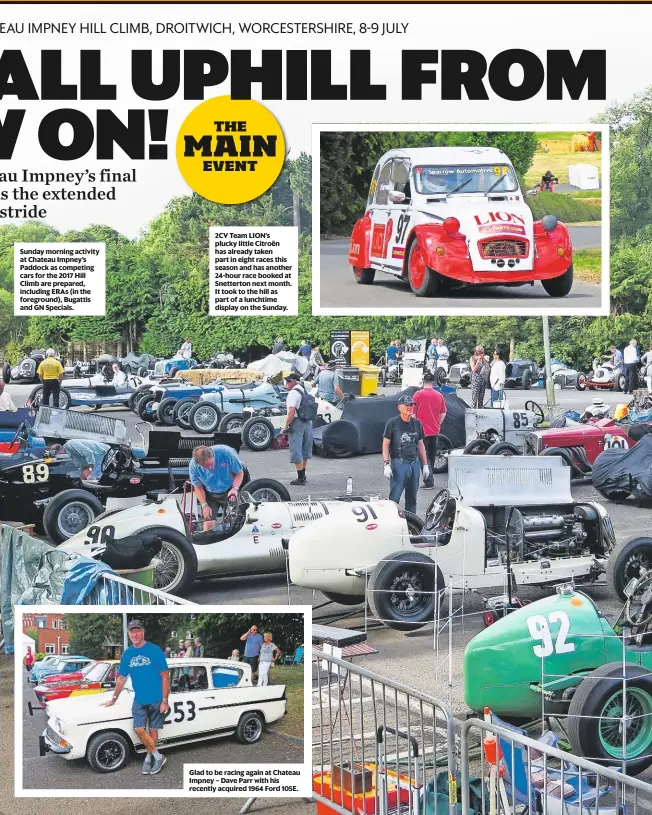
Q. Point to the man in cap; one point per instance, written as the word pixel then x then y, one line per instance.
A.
pixel 328 383
pixel 403 449
pixel 145 663
pixel 298 426
pixel 430 410
pixel 50 372
pixel 597 410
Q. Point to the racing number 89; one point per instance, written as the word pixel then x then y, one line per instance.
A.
pixel 179 713
pixel 33 473
pixel 539 629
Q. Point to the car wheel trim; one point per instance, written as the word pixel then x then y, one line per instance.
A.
pixel 635 565
pixel 637 720
pixel 234 425
pixel 252 729
pixel 259 434
pixel 110 754
pixel 406 594
pixel 417 269
pixel 205 417
pixel 74 517
pixel 170 568
pixel 265 495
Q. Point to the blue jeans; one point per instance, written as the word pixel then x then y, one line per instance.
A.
pixel 405 476
pixel 300 438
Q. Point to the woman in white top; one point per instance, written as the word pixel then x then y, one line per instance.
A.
pixel 6 402
pixel 119 377
pixel 497 378
pixel 186 349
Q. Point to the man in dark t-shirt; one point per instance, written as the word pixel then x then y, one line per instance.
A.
pixel 403 453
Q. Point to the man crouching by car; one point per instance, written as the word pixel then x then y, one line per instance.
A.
pixel 145 663
pixel 215 472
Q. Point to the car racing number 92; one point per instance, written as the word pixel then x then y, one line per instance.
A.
pixel 183 710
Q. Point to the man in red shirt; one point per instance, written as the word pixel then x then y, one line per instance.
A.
pixel 430 410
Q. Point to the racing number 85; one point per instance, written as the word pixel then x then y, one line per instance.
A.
pixel 520 420
pixel 33 473
pixel 179 713
pixel 539 629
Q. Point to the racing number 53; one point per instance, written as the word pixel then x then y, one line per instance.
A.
pixel 176 713
pixel 539 629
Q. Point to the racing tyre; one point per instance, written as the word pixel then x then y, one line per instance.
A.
pixel 36 397
pixel 108 751
pixel 204 417
pixel 173 372
pixel 621 383
pixel 477 447
pixel 250 728
pixel 580 382
pixel 165 412
pixel 137 395
pixel 414 523
pixel 231 423
pixel 423 280
pixel 69 512
pixel 143 405
pixel 403 590
pixel 258 433
pixel 181 411
pixel 626 562
pixel 503 448
pixel 364 276
pixel 6 373
pixel 266 489
pixel 595 717
pixel 142 372
pixel 444 446
pixel 566 457
pixel 526 381
pixel 440 377
pixel 559 286
pixel 344 599
pixel 176 569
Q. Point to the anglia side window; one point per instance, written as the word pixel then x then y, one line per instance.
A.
pixel 188 678
pixel 226 677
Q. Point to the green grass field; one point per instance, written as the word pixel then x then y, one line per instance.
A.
pixel 587 265
pixel 591 194
pixel 292 677
pixel 558 163
pixel 566 208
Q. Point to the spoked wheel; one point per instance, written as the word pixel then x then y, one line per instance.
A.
pixel 176 566
pixel 204 417
pixel 264 490
pixel 231 423
pixel 404 589
pixel 632 559
pixel 477 447
pixel 182 410
pixel 258 433
pixel 436 508
pixel 440 461
pixel 70 512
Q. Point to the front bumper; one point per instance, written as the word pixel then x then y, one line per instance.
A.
pixel 47 743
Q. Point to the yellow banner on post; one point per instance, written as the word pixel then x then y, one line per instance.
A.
pixel 360 348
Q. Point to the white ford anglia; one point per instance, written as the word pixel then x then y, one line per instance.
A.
pixel 209 698
pixel 442 217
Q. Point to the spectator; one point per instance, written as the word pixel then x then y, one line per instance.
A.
pixel 198 650
pixel 50 372
pixel 86 454
pixel 497 379
pixel 278 346
pixel 119 380
pixel 190 651
pixel 403 448
pixel 480 370
pixel 305 349
pixel 631 359
pixel 235 655
pixel 268 656
pixel 185 352
pixel 328 384
pixel 442 355
pixel 29 659
pixel 430 410
pixel 646 361
pixel 169 654
pixel 301 412
pixel 182 649
pixel 316 358
pixel 252 640
pixel 392 354
pixel 431 353
pixel 6 402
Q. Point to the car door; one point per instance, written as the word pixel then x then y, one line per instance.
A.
pixel 380 214
pixel 400 214
pixel 189 697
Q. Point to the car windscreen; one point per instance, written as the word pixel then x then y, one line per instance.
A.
pixel 94 672
pixel 469 178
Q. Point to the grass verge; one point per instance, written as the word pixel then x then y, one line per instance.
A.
pixel 558 163
pixel 567 209
pixel 292 677
pixel 587 265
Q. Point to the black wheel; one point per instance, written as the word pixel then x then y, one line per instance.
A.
pixel 36 397
pixel 265 490
pixel 423 280
pixel 503 448
pixel 559 286
pixel 566 457
pixel 621 383
pixel 364 276
pixel 440 377
pixel 108 751
pixel 165 412
pixel 137 395
pixel 181 411
pixel 176 569
pixel 627 561
pixel 204 417
pixel 173 372
pixel 535 408
pixel 250 728
pixel 600 710
pixel 142 372
pixel 143 406
pixel 258 433
pixel 403 590
pixel 382 379
pixel 414 523
pixel 231 423
pixel 580 382
pixel 477 447
pixel 526 381
pixel 345 599
pixel 440 462
pixel 6 373
pixel 69 512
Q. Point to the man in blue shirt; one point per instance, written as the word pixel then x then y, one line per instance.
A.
pixel 145 663
pixel 215 470
pixel 253 640
pixel 328 384
pixel 305 349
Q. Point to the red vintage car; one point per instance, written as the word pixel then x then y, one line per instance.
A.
pixel 579 445
pixel 95 678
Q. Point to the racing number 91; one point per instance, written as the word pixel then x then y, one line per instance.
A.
pixel 35 473
pixel 177 714
pixel 362 513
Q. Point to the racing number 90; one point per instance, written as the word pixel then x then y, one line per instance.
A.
pixel 33 473
pixel 179 713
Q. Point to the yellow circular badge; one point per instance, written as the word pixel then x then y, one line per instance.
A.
pixel 230 150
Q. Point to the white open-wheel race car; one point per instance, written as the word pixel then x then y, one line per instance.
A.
pixel 604 375
pixel 498 431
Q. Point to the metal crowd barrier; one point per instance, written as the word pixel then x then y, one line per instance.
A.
pixel 376 743
pixel 522 774
pixel 113 590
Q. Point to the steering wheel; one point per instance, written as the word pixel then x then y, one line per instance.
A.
pixel 436 509
pixel 230 513
pixel 536 408
pixel 22 429
pixel 112 462
pixel 638 608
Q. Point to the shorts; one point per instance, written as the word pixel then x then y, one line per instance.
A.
pixel 300 438
pixel 148 714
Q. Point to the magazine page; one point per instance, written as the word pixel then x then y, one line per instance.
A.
pixel 324 328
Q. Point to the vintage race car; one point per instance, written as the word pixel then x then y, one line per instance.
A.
pixel 460 374
pixel 205 416
pixel 389 374
pixel 208 698
pixel 495 430
pixel 562 375
pixel 70 664
pixel 560 657
pixel 521 373
pixel 25 370
pixel 603 375
pixel 499 516
pixel 96 391
pixel 442 217
pixel 95 677
pixel 246 538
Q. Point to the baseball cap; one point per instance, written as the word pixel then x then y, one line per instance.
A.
pixel 135 624
pixel 405 400
pixel 293 378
